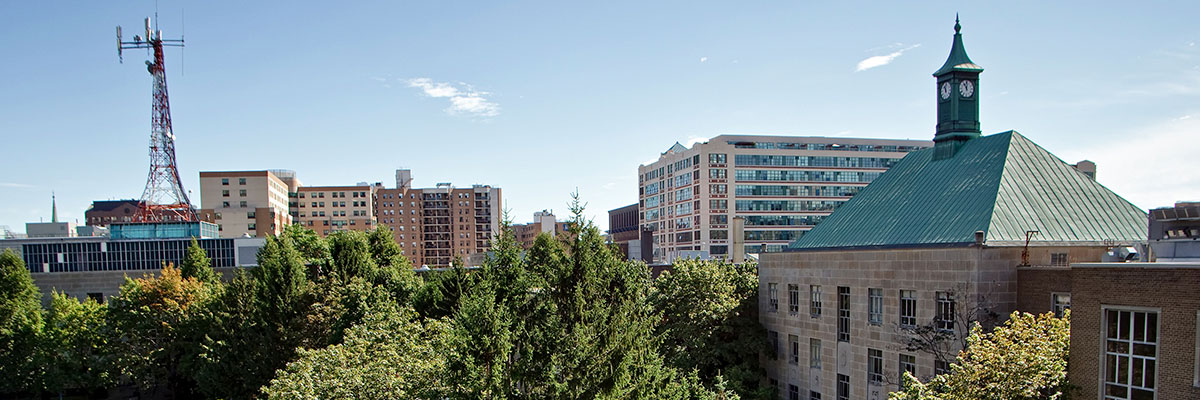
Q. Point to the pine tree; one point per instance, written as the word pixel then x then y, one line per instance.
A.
pixel 196 264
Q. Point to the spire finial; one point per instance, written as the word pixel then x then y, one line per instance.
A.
pixel 957 27
pixel 53 208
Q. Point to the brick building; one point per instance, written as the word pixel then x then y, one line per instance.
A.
pixel 247 203
pixel 434 225
pixel 941 235
pixel 543 222
pixel 328 209
pixel 105 212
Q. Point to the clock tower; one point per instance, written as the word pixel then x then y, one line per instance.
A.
pixel 957 100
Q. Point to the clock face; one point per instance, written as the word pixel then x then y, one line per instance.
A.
pixel 945 90
pixel 966 88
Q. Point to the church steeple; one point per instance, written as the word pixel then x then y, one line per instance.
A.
pixel 958 99
pixel 53 208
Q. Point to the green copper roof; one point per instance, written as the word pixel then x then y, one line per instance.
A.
pixel 1002 184
pixel 958 60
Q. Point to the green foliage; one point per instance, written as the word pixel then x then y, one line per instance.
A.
pixel 710 322
pixel 196 264
pixel 20 324
pixel 73 346
pixel 439 294
pixel 395 270
pixel 1026 358
pixel 390 355
pixel 351 256
pixel 152 324
pixel 312 248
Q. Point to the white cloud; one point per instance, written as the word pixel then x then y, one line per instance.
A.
pixel 692 140
pixel 879 61
pixel 1150 171
pixel 15 185
pixel 463 98
pixel 703 59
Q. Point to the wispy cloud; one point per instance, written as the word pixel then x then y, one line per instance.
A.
pixel 879 61
pixel 464 99
pixel 15 185
pixel 703 59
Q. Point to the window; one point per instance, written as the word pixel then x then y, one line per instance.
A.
pixel 718 189
pixel 1130 354
pixel 908 308
pixel 718 219
pixel 814 300
pixel 225 204
pixel 794 342
pixel 793 392
pixel 941 367
pixel 773 341
pixel 96 297
pixel 945 311
pixel 242 193
pixel 793 299
pixel 250 214
pixel 224 193
pixel 814 395
pixel 908 363
pixel 843 387
pixel 242 203
pixel 224 181
pixel 773 296
pixel 718 204
pixel 1061 302
pixel 843 304
pixel 875 306
pixel 718 235
pixel 1059 259
pixel 250 226
pixel 717 173
pixel 716 158
pixel 874 367
pixel 814 353
pixel 774 386
pixel 241 181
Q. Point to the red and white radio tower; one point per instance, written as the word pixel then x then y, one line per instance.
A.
pixel 164 198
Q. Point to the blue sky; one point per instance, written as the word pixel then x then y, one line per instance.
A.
pixel 541 98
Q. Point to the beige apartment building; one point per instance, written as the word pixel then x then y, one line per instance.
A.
pixel 247 203
pixel 328 209
pixel 781 185
pixel 434 225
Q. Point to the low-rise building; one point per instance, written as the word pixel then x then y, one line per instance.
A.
pixel 543 222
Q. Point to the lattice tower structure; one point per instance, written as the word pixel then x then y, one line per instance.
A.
pixel 164 198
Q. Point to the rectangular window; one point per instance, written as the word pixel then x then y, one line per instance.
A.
pixel 814 300
pixel 717 173
pixel 908 363
pixel 718 189
pixel 814 353
pixel 1059 259
pixel 716 158
pixel 945 311
pixel 875 366
pixel 718 204
pixel 794 343
pixel 875 306
pixel 814 395
pixel 793 299
pixel 241 181
pixel 1062 302
pixel 773 341
pixel 773 296
pixel 718 219
pixel 224 193
pixel 793 392
pixel 1130 354
pixel 718 235
pixel 843 387
pixel 843 327
pixel 242 203
pixel 908 308
pixel 941 367
pixel 224 181
pixel 242 193
pixel 250 226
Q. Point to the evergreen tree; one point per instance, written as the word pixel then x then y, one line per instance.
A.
pixel 196 264
pixel 20 325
